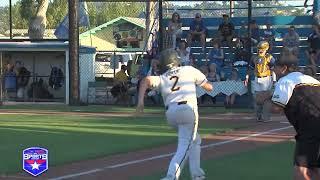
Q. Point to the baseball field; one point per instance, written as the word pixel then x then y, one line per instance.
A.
pixel 109 142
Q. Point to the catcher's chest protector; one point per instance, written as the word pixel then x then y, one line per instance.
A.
pixel 262 65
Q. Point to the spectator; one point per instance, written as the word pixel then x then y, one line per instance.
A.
pixel 216 55
pixel 316 10
pixel 154 71
pixel 240 51
pixel 291 41
pixel 255 32
pixel 154 68
pixel 212 76
pixel 314 39
pixel 10 81
pixel 174 30
pixel 23 76
pixel 268 35
pixel 185 54
pixel 226 31
pixel 120 87
pixel 198 31
pixel 229 102
pixel 314 59
pixel 243 32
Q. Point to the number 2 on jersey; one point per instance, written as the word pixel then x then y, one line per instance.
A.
pixel 174 88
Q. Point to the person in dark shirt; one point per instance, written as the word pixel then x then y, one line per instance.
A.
pixel 226 31
pixel 298 95
pixel 198 31
pixel 314 39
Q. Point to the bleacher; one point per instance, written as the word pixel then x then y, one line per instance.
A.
pixel 280 24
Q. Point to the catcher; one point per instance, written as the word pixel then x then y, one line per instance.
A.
pixel 263 81
pixel 298 95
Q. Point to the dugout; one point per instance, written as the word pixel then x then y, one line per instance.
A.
pixel 48 67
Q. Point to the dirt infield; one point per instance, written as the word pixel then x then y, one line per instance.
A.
pixel 150 161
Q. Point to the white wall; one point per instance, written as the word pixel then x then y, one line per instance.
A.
pixel 87 74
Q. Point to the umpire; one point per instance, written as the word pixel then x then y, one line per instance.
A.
pixel 298 95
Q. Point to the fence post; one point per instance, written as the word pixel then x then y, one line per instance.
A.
pixel 74 52
pixel 1 84
pixel 161 30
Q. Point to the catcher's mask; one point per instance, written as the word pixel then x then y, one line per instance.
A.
pixel 169 59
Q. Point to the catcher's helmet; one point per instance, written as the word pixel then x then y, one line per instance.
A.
pixel 169 59
pixel 264 45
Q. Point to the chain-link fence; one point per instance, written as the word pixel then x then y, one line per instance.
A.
pixel 120 32
pixel 235 53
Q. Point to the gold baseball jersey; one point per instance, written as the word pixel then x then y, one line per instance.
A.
pixel 262 65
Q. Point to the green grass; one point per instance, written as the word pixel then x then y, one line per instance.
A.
pixel 265 163
pixel 72 138
pixel 101 108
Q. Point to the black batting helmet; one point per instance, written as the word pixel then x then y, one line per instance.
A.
pixel 169 59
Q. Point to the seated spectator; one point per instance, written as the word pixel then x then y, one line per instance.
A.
pixel 291 41
pixel 174 30
pixel 212 76
pixel 243 32
pixel 23 76
pixel 120 84
pixel 255 32
pixel 240 51
pixel 226 31
pixel 185 54
pixel 268 35
pixel 216 55
pixel 198 31
pixel 154 71
pixel 229 102
pixel 10 81
pixel 314 59
pixel 314 39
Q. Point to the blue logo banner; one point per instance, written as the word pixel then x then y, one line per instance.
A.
pixel 35 160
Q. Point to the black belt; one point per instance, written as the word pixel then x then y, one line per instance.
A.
pixel 179 103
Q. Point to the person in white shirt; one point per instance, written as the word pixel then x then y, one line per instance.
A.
pixel 178 89
pixel 298 95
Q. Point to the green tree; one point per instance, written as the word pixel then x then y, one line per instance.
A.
pixel 4 20
pixel 57 10
pixel 100 13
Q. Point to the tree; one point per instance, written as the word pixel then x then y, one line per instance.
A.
pixel 38 23
pixel 56 12
pixel 100 13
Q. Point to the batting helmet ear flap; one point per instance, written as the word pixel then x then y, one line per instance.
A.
pixel 169 59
